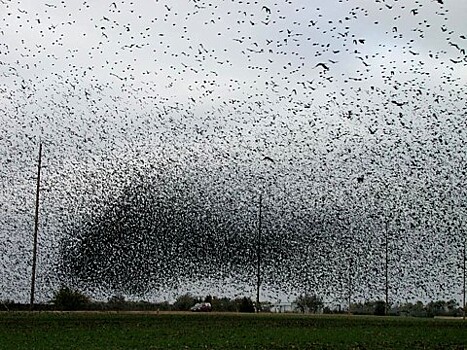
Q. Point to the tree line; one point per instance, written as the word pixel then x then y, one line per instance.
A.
pixel 68 299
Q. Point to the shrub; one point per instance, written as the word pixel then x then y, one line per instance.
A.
pixel 246 305
pixel 223 304
pixel 185 302
pixel 67 299
pixel 309 303
pixel 117 302
pixel 380 308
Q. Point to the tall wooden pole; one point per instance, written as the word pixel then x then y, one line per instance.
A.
pixel 258 252
pixel 36 228
pixel 350 286
pixel 386 273
pixel 463 290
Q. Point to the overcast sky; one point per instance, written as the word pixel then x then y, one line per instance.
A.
pixel 331 90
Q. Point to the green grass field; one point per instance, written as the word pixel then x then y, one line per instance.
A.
pixel 225 331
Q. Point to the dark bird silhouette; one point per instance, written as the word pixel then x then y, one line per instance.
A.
pixel 267 9
pixel 399 104
pixel 323 65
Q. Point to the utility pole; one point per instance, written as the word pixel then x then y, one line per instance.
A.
pixel 463 291
pixel 36 228
pixel 350 285
pixel 386 274
pixel 258 253
pixel 258 247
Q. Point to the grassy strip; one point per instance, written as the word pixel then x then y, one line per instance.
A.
pixel 225 331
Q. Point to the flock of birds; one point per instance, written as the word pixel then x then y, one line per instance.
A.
pixel 163 124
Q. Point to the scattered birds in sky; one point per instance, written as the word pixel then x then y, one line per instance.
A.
pixel 155 118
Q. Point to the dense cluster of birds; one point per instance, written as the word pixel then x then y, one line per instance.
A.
pixel 168 127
